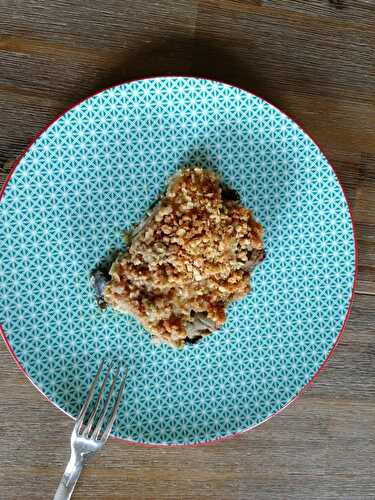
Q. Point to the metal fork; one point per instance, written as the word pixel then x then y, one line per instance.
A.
pixel 87 439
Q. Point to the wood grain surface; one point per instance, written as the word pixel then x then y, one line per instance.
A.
pixel 316 60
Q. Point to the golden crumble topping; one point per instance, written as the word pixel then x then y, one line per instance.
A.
pixel 187 260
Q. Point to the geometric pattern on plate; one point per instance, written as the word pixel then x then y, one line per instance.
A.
pixel 94 172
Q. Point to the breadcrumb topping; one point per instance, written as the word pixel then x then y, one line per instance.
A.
pixel 187 260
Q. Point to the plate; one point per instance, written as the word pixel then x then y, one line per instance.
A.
pixel 93 173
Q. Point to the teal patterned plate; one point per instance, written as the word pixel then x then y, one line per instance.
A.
pixel 94 172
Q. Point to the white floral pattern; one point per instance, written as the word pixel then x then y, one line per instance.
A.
pixel 94 172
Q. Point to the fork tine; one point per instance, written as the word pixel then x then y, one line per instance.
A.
pixel 89 397
pixel 105 407
pixel 113 416
pixel 97 403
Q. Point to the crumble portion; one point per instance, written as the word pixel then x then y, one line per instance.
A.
pixel 187 260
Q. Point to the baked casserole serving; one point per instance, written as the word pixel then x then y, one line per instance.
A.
pixel 190 257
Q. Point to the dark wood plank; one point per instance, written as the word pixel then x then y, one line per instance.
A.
pixel 53 54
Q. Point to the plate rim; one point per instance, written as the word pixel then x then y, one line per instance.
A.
pixel 233 435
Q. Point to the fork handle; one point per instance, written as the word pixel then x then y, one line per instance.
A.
pixel 69 479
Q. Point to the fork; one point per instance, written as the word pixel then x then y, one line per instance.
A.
pixel 87 439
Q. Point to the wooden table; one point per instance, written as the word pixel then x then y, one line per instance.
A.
pixel 316 60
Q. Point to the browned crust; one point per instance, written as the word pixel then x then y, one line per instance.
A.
pixel 191 257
